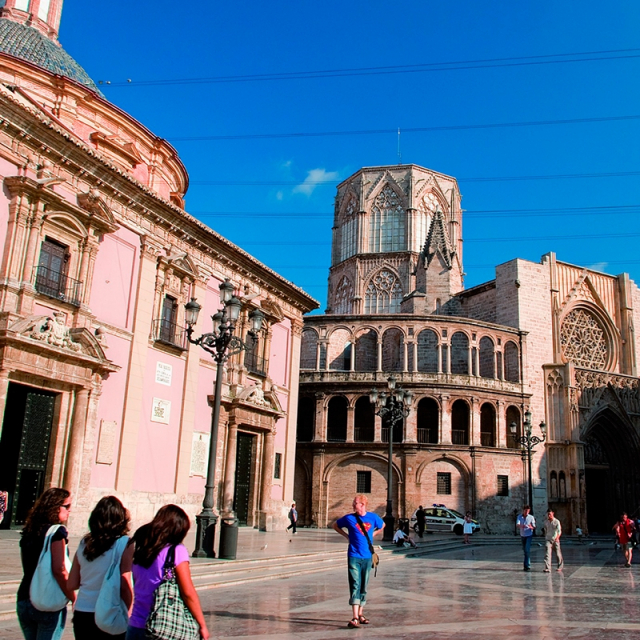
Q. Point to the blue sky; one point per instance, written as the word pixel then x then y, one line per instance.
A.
pixel 513 62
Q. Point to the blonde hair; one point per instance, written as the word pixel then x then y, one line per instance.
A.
pixel 362 498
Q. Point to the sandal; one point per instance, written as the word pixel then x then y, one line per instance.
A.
pixel 354 623
pixel 363 620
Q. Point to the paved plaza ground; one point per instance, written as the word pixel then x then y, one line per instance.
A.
pixel 479 591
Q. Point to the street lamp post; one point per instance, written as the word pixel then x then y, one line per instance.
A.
pixel 221 344
pixel 528 442
pixel 392 406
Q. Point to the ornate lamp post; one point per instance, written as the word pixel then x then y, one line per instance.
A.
pixel 528 443
pixel 221 344
pixel 392 406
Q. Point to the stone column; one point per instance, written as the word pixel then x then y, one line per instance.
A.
pixel 265 517
pixel 501 424
pixel 411 425
pixel 470 360
pixel 377 429
pixel 352 357
pixel 405 368
pixel 414 346
pixel 379 348
pixel 4 388
pixel 439 349
pixel 474 430
pixel 320 434
pixel 445 420
pixel 230 469
pixel 447 350
pixel 477 361
pixel 350 423
pixel 318 509
pixel 35 224
pixel 73 465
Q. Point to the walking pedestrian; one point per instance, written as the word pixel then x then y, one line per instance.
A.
pixel 52 508
pixel 152 544
pixel 421 518
pixel 526 523
pixel 552 533
pixel 293 517
pixel 467 528
pixel 624 529
pixel 108 522
pixel 362 527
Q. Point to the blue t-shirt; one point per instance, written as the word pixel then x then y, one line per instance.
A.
pixel 358 545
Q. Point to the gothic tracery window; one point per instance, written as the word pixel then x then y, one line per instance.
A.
pixel 348 231
pixel 387 223
pixel 343 299
pixel 426 209
pixel 583 340
pixel 383 294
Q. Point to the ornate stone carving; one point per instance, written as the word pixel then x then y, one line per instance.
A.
pixel 383 293
pixel 343 299
pixel 583 340
pixel 55 332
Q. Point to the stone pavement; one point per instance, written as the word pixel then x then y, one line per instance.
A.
pixel 476 591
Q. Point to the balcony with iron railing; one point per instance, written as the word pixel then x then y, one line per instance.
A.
pixel 58 285
pixel 487 439
pixel 169 333
pixel 397 434
pixel 459 436
pixel 364 434
pixel 427 435
pixel 255 364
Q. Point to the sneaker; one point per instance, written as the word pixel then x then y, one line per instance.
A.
pixel 559 568
pixel 547 571
pixel 527 569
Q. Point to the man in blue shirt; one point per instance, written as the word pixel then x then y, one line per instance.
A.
pixel 359 553
pixel 527 525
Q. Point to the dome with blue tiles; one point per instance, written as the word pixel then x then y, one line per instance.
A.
pixel 28 43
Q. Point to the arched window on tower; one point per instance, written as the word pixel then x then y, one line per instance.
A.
pixel 337 419
pixel 460 353
pixel 348 230
pixel 487 358
pixel 460 422
pixel 511 362
pixel 487 425
pixel 387 223
pixel 513 416
pixel 428 421
pixel 392 350
pixel 367 351
pixel 428 351
pixel 383 294
pixel 343 297
pixel 364 420
pixel 424 214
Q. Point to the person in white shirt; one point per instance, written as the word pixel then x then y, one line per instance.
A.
pixel 552 533
pixel 527 525
pixel 400 539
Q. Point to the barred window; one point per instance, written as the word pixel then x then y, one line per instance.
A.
pixel 363 482
pixel 277 466
pixel 444 484
pixel 503 485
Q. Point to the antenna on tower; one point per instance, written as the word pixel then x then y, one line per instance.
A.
pixel 399 151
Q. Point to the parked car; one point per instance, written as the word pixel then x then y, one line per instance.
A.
pixel 440 518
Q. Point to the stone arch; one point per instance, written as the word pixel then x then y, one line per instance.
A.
pixel 486 356
pixel 588 338
pixel 460 353
pixel 428 345
pixel 309 349
pixel 513 414
pixel 511 362
pixel 393 350
pixel 611 451
pixel 340 343
pixel 428 421
pixel 367 350
pixel 68 221
pixel 340 478
pixel 460 420
pixel 337 419
pixel 487 425
pixel 306 419
pixel 364 420
pixel 427 478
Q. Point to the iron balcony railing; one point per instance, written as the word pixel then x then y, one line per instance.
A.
pixel 363 434
pixel 169 333
pixel 397 434
pixel 427 436
pixel 58 285
pixel 255 364
pixel 459 436
pixel 486 440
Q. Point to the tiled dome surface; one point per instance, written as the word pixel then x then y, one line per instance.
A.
pixel 29 44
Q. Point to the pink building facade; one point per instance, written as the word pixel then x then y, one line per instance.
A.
pixel 99 390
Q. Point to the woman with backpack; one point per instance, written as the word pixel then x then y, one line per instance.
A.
pixel 108 523
pixel 158 545
pixel 52 508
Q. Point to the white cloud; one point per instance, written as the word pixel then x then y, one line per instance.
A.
pixel 314 176
pixel 279 195
pixel 598 266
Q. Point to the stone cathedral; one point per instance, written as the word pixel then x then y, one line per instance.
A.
pixel 547 339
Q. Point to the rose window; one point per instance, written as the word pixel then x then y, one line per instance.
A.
pixel 583 340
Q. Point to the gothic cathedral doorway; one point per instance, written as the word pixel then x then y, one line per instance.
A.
pixel 24 448
pixel 611 450
pixel 244 457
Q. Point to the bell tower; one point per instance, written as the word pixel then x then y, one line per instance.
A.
pixel 43 15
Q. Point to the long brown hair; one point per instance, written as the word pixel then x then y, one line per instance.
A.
pixel 108 521
pixel 46 511
pixel 169 526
